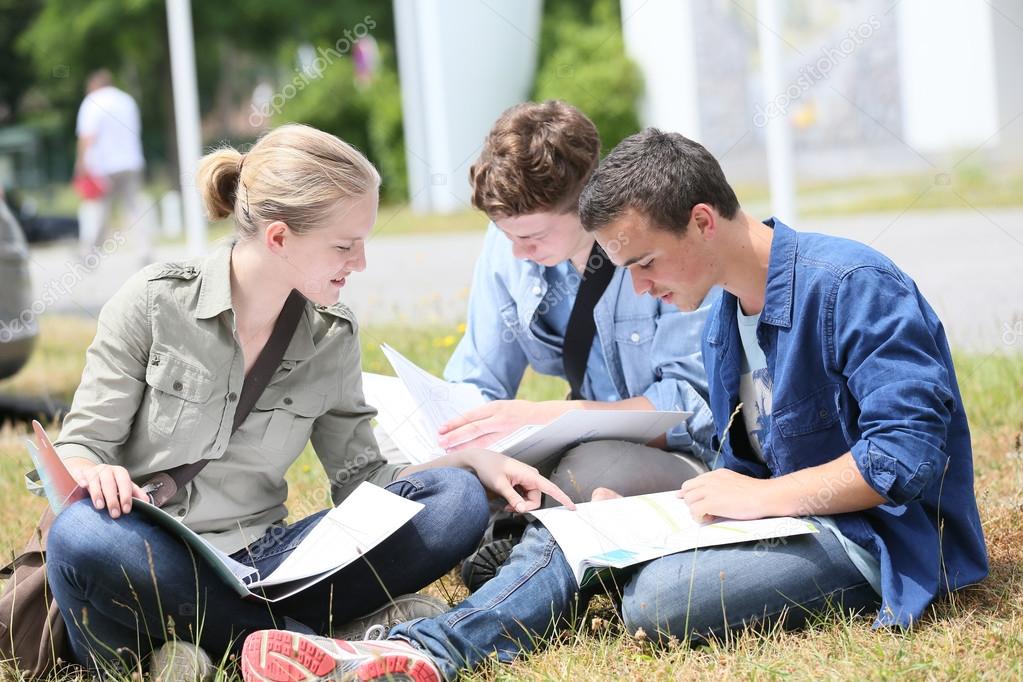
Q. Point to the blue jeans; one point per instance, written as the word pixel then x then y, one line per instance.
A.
pixel 691 595
pixel 125 585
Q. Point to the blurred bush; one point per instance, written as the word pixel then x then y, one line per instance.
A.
pixel 583 61
pixel 368 117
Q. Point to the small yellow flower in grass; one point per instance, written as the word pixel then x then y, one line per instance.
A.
pixel 448 341
pixel 461 327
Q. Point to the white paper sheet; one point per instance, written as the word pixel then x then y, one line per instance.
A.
pixel 365 518
pixel 412 407
pixel 631 530
pixel 397 416
pixel 437 401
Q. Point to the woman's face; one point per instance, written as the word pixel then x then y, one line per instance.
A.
pixel 322 259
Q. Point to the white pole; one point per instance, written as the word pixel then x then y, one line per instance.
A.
pixel 186 117
pixel 780 172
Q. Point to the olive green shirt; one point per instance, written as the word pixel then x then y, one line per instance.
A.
pixel 160 387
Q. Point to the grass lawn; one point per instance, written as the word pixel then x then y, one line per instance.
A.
pixel 976 634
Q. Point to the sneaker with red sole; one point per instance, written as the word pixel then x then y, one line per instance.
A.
pixel 283 656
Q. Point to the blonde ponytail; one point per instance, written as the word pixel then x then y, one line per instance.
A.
pixel 218 181
pixel 294 174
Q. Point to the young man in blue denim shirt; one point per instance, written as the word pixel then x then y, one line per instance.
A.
pixel 834 397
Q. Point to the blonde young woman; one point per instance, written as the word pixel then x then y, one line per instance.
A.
pixel 160 387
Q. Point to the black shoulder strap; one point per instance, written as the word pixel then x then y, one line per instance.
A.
pixel 165 485
pixel 581 326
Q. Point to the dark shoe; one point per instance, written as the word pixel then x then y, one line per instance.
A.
pixel 483 565
pixel 400 609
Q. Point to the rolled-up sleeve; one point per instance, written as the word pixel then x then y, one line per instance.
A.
pixel 114 379
pixel 681 380
pixel 343 436
pixel 488 355
pixel 888 354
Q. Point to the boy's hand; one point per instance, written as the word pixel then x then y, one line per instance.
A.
pixel 730 495
pixel 488 423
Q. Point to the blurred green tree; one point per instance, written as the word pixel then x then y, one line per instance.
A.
pixel 236 43
pixel 583 61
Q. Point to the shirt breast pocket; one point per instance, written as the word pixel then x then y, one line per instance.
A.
pixel 178 393
pixel 810 427
pixel 289 418
pixel 633 338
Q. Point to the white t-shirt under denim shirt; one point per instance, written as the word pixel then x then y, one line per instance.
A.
pixel 755 389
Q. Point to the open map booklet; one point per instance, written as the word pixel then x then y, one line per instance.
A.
pixel 415 404
pixel 630 530
pixel 365 518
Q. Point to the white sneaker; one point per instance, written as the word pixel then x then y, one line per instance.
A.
pixel 282 656
pixel 177 661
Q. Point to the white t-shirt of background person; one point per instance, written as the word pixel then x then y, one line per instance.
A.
pixel 111 117
pixel 754 384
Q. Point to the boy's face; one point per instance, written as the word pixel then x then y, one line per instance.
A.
pixel 679 269
pixel 546 238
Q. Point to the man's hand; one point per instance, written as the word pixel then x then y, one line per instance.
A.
pixel 601 494
pixel 728 494
pixel 108 485
pixel 519 484
pixel 480 427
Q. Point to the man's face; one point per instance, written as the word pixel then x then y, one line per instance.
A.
pixel 546 238
pixel 680 270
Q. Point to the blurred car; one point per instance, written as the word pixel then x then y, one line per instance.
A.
pixel 18 325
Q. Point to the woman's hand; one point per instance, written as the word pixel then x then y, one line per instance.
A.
pixel 518 483
pixel 108 485
pixel 480 427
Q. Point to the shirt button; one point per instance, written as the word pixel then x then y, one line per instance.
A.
pixel 178 386
pixel 180 512
pixel 537 291
pixel 634 337
pixel 823 414
pixel 288 401
pixel 232 396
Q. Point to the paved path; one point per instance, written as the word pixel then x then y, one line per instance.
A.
pixel 969 264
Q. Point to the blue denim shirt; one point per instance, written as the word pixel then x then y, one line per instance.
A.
pixel 650 348
pixel 860 363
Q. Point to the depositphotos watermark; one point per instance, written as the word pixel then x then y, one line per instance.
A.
pixel 309 72
pixel 60 287
pixel 815 72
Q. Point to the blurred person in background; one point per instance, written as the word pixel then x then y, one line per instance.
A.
pixel 109 153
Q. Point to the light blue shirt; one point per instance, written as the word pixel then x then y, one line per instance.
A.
pixel 643 346
pixel 755 392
